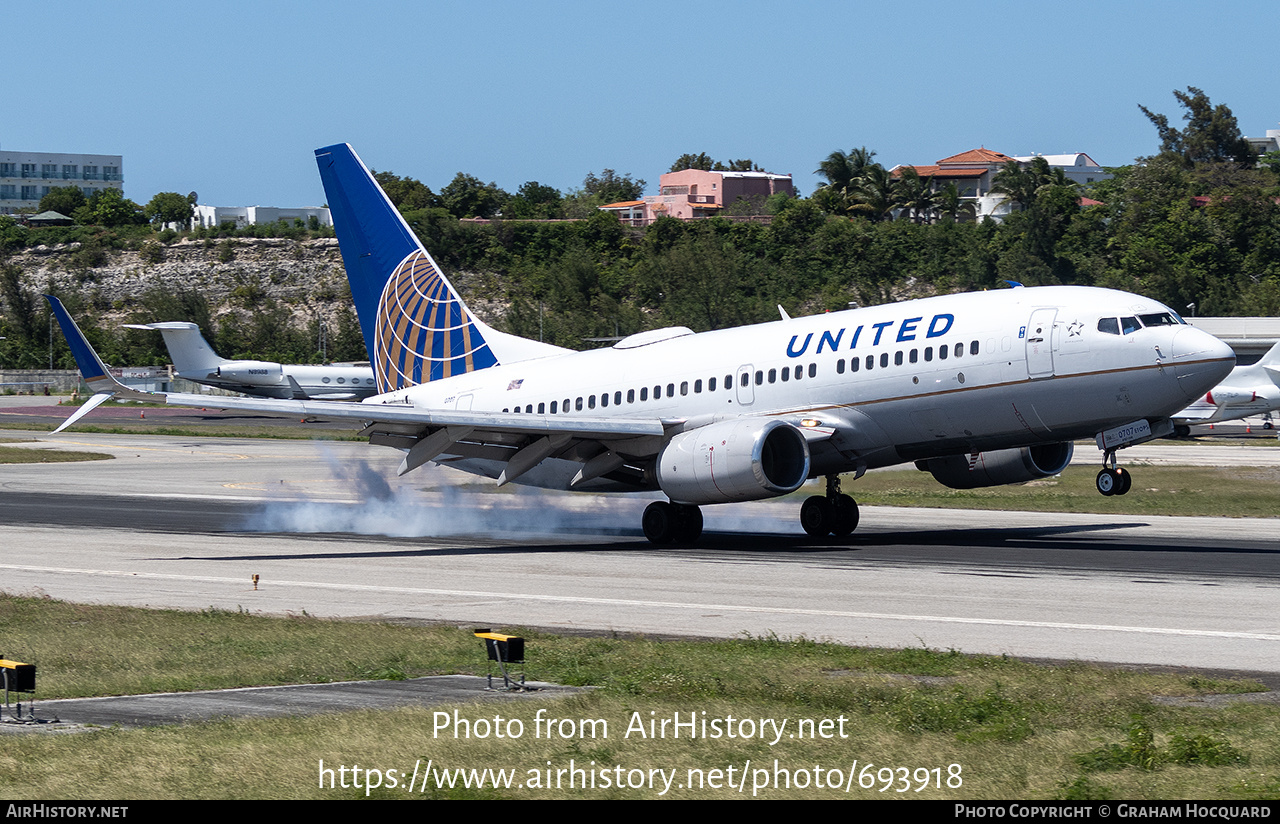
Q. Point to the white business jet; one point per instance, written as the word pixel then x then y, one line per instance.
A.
pixel 1247 391
pixel 194 359
pixel 979 389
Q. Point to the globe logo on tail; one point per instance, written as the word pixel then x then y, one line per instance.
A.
pixel 424 332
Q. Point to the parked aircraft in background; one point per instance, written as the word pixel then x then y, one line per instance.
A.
pixel 979 389
pixel 195 360
pixel 1247 391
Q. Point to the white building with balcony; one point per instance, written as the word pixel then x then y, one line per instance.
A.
pixel 25 177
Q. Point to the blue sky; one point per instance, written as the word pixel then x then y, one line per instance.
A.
pixel 230 99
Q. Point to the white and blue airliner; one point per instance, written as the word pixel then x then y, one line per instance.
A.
pixel 978 389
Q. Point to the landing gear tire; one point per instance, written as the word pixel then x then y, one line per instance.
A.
pixel 844 520
pixel 816 516
pixel 1114 481
pixel 688 524
pixel 665 523
pixel 659 522
pixel 1126 481
pixel 1181 431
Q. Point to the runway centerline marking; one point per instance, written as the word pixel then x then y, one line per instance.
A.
pixel 633 602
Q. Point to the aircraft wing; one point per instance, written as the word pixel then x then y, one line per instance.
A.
pixel 521 440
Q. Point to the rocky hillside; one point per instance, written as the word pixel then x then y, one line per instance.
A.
pixel 307 276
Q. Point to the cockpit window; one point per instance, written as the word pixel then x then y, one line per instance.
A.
pixel 1129 325
pixel 1109 325
pixel 1158 319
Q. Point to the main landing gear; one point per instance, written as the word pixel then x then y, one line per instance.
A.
pixel 835 514
pixel 666 523
pixel 1113 480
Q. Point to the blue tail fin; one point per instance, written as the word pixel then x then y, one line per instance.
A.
pixel 416 327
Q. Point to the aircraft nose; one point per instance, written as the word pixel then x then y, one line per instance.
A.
pixel 1200 361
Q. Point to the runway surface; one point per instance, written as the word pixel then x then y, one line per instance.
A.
pixel 187 522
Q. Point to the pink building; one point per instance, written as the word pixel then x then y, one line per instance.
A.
pixel 692 193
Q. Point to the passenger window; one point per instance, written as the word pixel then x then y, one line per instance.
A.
pixel 711 384
pixel 959 349
pixel 942 353
pixel 759 377
pixel 786 374
pixel 697 386
pixel 1128 325
pixel 553 407
pixel 542 408
pixel 973 348
pixel 529 409
pixel 591 401
pixel 657 392
pixel 1111 326
pixel 884 360
pixel 604 400
pixel 897 358
pixel 684 388
pixel 631 396
pixel 644 393
pixel 671 390
pixel 728 382
pixel 578 405
pixel 854 363
pixel 813 370
pixel 617 398
pixel 840 367
pixel 871 361
pixel 799 372
pixel 773 376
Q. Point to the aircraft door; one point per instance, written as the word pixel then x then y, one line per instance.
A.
pixel 1039 337
pixel 464 403
pixel 746 392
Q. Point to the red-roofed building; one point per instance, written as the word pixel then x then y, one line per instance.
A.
pixel 974 172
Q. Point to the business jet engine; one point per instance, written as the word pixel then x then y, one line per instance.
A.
pixel 251 373
pixel 1003 466
pixel 739 460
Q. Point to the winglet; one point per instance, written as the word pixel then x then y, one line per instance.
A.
pixel 91 367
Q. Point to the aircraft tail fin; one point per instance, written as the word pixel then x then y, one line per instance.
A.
pixel 416 327
pixel 191 354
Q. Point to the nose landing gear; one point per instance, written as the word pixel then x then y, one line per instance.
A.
pixel 835 514
pixel 1113 480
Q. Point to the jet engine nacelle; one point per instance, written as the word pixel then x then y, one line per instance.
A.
pixel 1228 396
pixel 1003 466
pixel 252 373
pixel 739 460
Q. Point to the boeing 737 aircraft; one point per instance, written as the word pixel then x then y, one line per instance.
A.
pixel 979 389
pixel 195 360
pixel 1248 390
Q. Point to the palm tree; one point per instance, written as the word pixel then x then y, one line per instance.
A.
pixel 915 196
pixel 844 173
pixel 951 206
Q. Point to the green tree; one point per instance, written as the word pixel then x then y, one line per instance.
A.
pixel 63 200
pixel 407 194
pixel 611 187
pixel 1211 133
pixel 701 161
pixel 467 196
pixel 534 201
pixel 169 207
pixel 109 207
